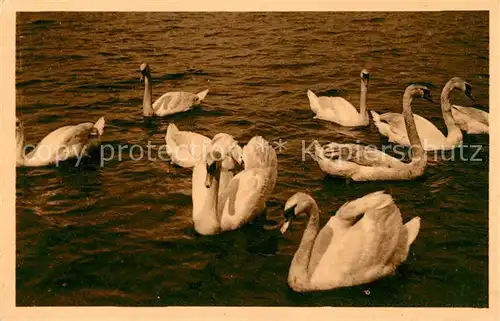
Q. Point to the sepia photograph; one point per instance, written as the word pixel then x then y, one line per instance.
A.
pixel 294 159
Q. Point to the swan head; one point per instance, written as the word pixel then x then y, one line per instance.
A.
pixel 297 204
pixel 420 91
pixel 144 70
pixel 463 86
pixel 365 76
pixel 224 153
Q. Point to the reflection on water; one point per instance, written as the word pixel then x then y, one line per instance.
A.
pixel 121 234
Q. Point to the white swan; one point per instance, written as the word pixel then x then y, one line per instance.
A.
pixel 185 148
pixel 225 204
pixel 364 241
pixel 61 144
pixel 339 110
pixel 471 120
pixel 392 125
pixel 364 163
pixel 169 103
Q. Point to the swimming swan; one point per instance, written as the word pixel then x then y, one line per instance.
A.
pixel 471 120
pixel 61 144
pixel 392 125
pixel 169 103
pixel 364 163
pixel 185 148
pixel 364 241
pixel 339 110
pixel 225 203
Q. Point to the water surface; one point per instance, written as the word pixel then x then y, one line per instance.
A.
pixel 121 234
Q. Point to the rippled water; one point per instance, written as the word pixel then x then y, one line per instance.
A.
pixel 121 234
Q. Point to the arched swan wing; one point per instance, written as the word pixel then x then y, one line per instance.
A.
pixel 359 154
pixel 474 113
pixel 174 102
pixel 427 131
pixel 244 198
pixel 64 142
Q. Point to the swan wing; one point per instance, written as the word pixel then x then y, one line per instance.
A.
pixel 175 102
pixel 475 113
pixel 367 248
pixel 244 198
pixel 258 153
pixel 361 155
pixel 471 120
pixel 429 134
pixel 63 143
pixel 186 148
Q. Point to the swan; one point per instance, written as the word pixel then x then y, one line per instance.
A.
pixel 339 110
pixel 392 125
pixel 364 163
pixel 471 120
pixel 185 148
pixel 64 143
pixel 365 240
pixel 226 203
pixel 169 103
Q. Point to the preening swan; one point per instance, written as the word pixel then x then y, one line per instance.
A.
pixel 471 120
pixel 392 125
pixel 364 163
pixel 339 110
pixel 364 241
pixel 225 203
pixel 63 143
pixel 169 103
pixel 185 148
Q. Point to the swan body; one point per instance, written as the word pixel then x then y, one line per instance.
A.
pixel 169 103
pixel 364 163
pixel 340 111
pixel 392 125
pixel 222 202
pixel 64 143
pixel 365 240
pixel 185 148
pixel 471 120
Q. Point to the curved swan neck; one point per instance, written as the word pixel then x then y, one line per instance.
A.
pixel 300 262
pixel 147 102
pixel 452 128
pixel 205 201
pixel 419 156
pixel 362 100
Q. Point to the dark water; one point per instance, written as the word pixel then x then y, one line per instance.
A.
pixel 121 234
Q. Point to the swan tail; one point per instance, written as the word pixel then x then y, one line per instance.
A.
pixel 375 116
pixel 202 95
pixel 171 130
pixel 413 227
pixel 313 101
pixel 99 125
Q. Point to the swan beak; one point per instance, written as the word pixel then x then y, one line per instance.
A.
pixel 285 226
pixel 141 78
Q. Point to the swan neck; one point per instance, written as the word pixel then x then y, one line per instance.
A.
pixel 147 102
pixel 362 99
pixel 204 199
pixel 300 262
pixel 449 121
pixel 419 156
